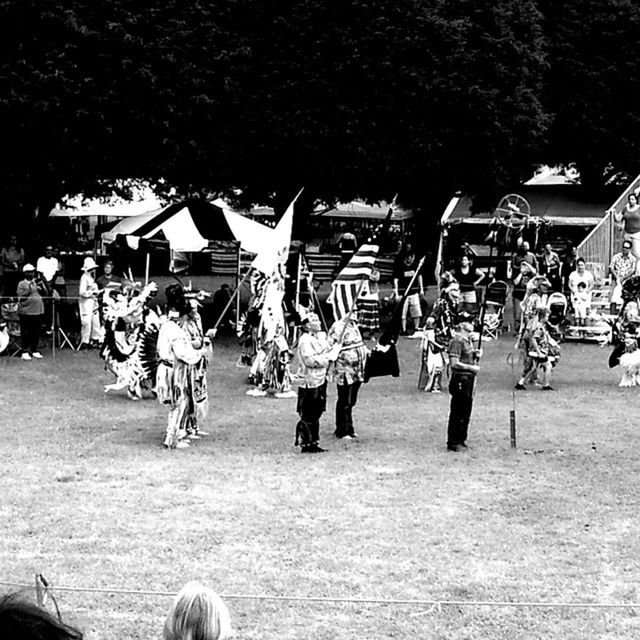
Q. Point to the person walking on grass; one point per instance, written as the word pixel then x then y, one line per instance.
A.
pixel 463 361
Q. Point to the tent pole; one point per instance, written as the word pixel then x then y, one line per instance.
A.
pixel 233 295
pixel 238 282
pixel 146 269
pixel 54 310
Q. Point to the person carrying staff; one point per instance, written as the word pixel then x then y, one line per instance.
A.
pixel 314 355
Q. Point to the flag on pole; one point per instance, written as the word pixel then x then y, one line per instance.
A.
pixel 275 250
pixel 348 283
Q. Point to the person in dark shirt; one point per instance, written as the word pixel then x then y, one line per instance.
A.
pixel 405 268
pixel 108 279
pixel 463 361
pixel 469 278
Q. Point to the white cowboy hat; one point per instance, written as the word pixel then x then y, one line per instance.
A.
pixel 88 264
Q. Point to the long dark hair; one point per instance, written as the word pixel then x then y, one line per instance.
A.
pixel 176 299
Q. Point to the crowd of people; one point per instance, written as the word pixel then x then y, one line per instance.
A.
pixel 166 355
pixel 197 613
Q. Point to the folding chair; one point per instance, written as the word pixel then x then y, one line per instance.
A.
pixel 495 302
pixel 9 315
pixel 64 326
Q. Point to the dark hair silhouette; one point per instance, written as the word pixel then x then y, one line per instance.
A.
pixel 22 620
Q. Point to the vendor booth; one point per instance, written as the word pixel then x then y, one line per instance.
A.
pixel 559 214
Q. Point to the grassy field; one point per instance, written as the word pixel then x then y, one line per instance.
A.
pixel 90 499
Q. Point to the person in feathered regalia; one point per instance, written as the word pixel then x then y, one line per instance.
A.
pixel 270 372
pixel 178 379
pixel 131 335
pixel 191 322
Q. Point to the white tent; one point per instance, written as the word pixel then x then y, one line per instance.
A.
pixel 128 225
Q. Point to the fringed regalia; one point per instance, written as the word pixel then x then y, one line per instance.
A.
pixel 129 347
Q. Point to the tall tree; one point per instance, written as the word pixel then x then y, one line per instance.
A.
pixel 592 85
pixel 350 98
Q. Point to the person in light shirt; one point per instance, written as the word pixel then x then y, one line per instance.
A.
pixel 48 266
pixel 314 355
pixel 88 305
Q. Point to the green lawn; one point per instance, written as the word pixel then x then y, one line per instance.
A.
pixel 90 499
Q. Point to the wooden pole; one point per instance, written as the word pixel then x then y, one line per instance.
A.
pixel 484 297
pixel 54 310
pixel 353 308
pixel 296 301
pixel 314 294
pixel 238 270
pixel 233 295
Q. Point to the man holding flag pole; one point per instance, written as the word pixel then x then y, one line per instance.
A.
pixel 350 364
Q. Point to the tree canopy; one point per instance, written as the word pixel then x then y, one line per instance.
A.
pixel 356 98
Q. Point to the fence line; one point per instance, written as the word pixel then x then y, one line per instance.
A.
pixel 418 602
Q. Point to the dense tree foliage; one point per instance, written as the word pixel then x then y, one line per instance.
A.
pixel 592 84
pixel 347 98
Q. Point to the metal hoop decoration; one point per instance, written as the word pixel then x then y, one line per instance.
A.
pixel 513 211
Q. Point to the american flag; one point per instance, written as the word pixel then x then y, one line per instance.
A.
pixel 349 282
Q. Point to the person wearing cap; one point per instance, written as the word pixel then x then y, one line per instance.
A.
pixel 30 312
pixel 623 265
pixel 314 356
pixel 88 304
pixel 463 361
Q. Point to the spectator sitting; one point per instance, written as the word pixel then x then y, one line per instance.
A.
pixel 22 620
pixel 197 613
